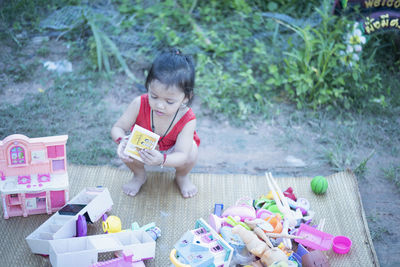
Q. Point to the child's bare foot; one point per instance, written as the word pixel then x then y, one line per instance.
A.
pixel 188 189
pixel 134 185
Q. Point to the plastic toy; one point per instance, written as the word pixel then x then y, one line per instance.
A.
pixel 154 232
pixel 259 248
pixel 341 244
pixel 201 247
pixel 262 213
pixel 285 230
pixel 91 203
pixel 123 261
pixel 296 258
pixel 275 222
pixel 282 203
pixel 136 226
pixel 301 203
pixel 83 251
pixel 319 185
pixel 289 194
pixel 301 250
pixel 275 210
pixel 231 221
pixel 259 227
pixel 263 230
pixel 263 203
pixel 216 222
pixel 111 224
pixel 285 249
pixel 34 176
pixel 242 258
pixel 81 226
pixel 218 208
pixel 150 228
pixel 313 238
pixel 233 240
pixel 270 195
pixel 243 210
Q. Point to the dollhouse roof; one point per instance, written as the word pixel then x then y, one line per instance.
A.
pixel 48 139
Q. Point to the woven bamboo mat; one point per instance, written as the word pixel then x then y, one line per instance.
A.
pixel 159 201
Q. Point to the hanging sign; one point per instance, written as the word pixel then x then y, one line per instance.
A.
pixel 378 15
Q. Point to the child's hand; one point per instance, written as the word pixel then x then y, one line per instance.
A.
pixel 151 157
pixel 121 148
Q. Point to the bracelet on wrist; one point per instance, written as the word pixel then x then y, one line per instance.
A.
pixel 118 140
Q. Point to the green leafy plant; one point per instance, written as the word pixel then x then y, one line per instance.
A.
pixel 316 76
pixel 361 169
pixel 71 18
pixel 393 174
pixel 104 47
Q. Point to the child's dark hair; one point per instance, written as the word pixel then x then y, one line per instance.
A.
pixel 173 68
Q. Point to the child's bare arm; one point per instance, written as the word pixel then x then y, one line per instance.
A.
pixel 126 121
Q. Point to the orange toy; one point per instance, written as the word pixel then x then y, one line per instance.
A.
pixel 275 221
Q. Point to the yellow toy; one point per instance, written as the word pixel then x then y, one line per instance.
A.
pixel 112 224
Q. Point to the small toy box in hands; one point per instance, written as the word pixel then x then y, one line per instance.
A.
pixel 139 139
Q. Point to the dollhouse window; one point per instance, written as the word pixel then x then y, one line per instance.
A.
pixel 55 151
pixel 17 155
pixel 58 165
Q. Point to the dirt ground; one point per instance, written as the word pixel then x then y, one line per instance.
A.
pixel 287 144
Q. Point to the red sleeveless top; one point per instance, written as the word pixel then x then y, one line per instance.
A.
pixel 144 119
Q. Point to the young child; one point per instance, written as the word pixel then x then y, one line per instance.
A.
pixel 163 110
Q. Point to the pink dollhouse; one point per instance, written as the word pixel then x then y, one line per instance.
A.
pixel 33 173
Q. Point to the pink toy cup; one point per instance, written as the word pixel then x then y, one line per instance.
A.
pixel 341 244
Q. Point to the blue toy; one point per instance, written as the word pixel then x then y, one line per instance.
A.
pixel 218 208
pixel 201 247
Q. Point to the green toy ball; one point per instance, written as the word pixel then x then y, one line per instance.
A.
pixel 319 185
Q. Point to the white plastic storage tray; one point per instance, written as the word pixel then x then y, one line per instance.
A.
pixel 83 251
pixel 96 201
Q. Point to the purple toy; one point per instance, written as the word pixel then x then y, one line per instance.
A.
pixel 81 226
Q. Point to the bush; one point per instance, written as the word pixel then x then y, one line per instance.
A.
pixel 316 70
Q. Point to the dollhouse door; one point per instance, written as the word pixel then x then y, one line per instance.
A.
pixel 57 199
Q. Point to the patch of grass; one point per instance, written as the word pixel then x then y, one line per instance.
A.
pixel 72 106
pixel 361 169
pixel 338 156
pixel 393 174
pixel 43 51
pixel 20 70
pixel 377 231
